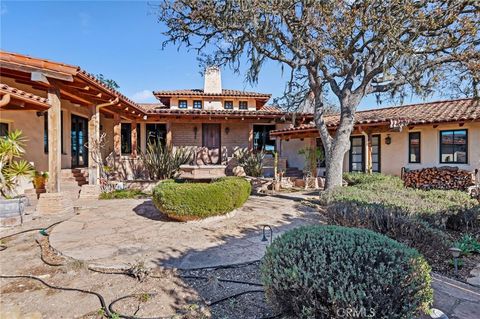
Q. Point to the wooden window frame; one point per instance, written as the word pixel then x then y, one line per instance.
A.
pixel 225 105
pixel 180 102
pixel 240 105
pixel 198 101
pixel 440 146
pixel 410 148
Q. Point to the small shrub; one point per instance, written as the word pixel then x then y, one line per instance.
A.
pixel 468 244
pixel 123 194
pixel 320 271
pixel 164 162
pixel 190 201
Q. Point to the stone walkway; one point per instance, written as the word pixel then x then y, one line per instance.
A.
pixel 124 232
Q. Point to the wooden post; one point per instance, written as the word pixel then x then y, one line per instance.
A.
pixel 93 139
pixel 134 138
pixel 250 136
pixel 168 138
pixel 116 136
pixel 54 140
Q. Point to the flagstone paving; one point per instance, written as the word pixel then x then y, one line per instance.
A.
pixel 125 232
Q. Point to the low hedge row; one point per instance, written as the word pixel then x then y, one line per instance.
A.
pixel 330 271
pixel 185 201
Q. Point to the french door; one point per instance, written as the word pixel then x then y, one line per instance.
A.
pixel 211 138
pixel 79 138
pixel 357 154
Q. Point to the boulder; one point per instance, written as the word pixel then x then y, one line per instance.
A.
pixel 238 171
pixel 299 182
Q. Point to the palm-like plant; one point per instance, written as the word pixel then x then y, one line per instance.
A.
pixel 163 162
pixel 11 149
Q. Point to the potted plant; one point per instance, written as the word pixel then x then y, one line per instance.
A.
pixel 39 181
pixel 11 169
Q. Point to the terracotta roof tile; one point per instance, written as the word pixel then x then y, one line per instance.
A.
pixel 149 107
pixel 199 92
pixel 22 95
pixel 421 113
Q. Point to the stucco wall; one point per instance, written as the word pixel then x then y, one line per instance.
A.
pixel 213 103
pixel 290 149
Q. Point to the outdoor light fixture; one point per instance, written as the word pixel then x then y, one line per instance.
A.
pixel 455 253
pixel 388 139
pixel 264 238
pixel 195 130
pixel 227 130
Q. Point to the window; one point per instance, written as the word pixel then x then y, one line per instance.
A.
pixel 156 132
pixel 45 132
pixel 376 153
pixel 261 138
pixel 454 146
pixel 357 160
pixel 243 105
pixel 182 104
pixel 228 105
pixel 3 129
pixel 126 138
pixel 197 104
pixel 321 153
pixel 414 147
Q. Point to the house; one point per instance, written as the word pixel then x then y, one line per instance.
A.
pixel 62 109
pixel 386 140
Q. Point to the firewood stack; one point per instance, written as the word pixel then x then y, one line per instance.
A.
pixel 439 178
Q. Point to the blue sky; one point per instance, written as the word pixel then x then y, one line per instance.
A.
pixel 120 39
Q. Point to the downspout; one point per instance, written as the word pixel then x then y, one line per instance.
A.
pixel 5 100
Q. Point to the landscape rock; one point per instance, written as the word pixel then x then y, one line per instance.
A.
pixel 239 171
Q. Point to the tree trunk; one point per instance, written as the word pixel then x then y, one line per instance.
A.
pixel 334 160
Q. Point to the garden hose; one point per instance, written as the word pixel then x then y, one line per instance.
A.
pixel 223 280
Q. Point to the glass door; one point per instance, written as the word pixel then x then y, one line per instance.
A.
pixel 357 154
pixel 79 138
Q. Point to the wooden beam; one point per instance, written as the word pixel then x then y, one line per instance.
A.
pixel 54 141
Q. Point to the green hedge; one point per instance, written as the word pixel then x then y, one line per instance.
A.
pixel 325 271
pixel 189 201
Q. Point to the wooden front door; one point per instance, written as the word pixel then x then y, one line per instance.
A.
pixel 211 138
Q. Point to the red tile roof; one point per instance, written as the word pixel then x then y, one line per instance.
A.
pixel 199 92
pixel 24 96
pixel 263 111
pixel 421 113
pixel 8 59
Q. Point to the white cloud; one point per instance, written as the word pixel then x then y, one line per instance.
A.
pixel 143 96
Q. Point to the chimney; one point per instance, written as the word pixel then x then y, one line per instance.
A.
pixel 213 80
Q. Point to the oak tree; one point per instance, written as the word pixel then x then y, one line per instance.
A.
pixel 342 48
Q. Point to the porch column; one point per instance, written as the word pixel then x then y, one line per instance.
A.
pixel 94 153
pixel 250 136
pixel 168 138
pixel 134 138
pixel 116 136
pixel 54 141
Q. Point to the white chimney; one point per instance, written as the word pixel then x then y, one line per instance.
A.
pixel 213 80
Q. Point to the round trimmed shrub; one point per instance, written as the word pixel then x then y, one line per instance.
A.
pixel 334 272
pixel 184 201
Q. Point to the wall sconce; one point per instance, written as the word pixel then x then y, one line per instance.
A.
pixel 41 113
pixel 388 139
pixel 227 130
pixel 195 130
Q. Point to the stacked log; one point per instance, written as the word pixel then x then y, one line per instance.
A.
pixel 445 177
